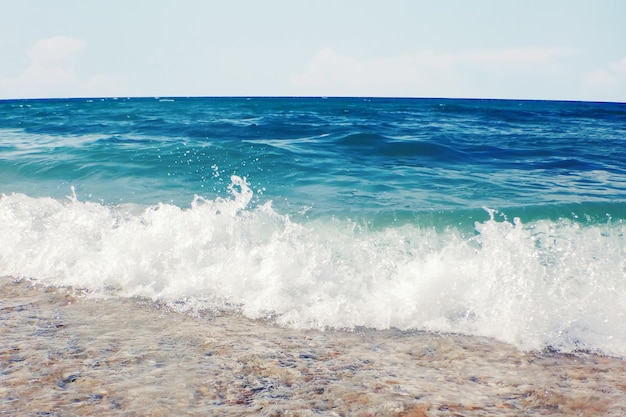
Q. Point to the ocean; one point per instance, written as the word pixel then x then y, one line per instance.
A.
pixel 501 221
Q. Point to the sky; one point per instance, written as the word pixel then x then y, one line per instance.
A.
pixel 531 49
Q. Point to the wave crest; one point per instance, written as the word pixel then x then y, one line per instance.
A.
pixel 545 283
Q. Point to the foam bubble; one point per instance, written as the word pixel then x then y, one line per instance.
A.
pixel 540 284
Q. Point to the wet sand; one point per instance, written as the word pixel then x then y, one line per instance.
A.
pixel 66 355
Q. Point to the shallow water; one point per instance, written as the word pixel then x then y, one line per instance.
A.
pixel 65 353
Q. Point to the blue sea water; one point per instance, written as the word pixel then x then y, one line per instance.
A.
pixel 500 218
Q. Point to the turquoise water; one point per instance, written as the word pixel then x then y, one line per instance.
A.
pixel 491 217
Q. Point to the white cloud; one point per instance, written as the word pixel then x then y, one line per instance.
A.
pixel 467 73
pixel 55 51
pixel 527 57
pixel 608 83
pixel 52 73
pixel 104 85
pixel 332 73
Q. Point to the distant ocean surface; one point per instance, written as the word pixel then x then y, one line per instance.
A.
pixel 483 217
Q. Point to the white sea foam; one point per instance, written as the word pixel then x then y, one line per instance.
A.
pixel 535 285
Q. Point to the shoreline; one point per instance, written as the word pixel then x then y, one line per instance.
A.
pixel 62 354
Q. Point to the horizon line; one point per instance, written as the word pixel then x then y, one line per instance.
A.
pixel 165 97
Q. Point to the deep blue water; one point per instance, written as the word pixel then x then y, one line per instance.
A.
pixel 442 214
pixel 371 158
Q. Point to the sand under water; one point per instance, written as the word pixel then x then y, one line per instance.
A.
pixel 64 354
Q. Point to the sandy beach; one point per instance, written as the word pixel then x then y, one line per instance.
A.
pixel 63 354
